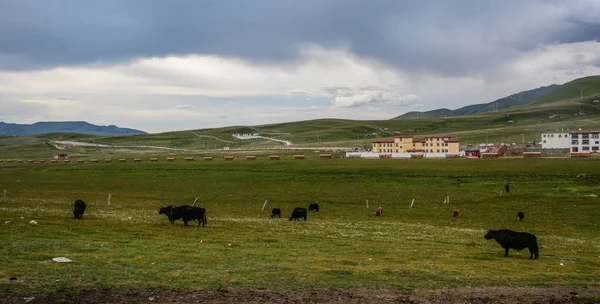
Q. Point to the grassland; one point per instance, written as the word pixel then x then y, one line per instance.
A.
pixel 129 246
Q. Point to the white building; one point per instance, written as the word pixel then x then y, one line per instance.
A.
pixel 582 141
pixel 556 140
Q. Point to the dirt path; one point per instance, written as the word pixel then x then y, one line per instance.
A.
pixel 459 295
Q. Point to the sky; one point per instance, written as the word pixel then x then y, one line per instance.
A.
pixel 161 66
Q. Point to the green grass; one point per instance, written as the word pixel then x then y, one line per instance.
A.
pixel 130 246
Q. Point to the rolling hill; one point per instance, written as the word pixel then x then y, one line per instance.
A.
pixel 11 129
pixel 514 100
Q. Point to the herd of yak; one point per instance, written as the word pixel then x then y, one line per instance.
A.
pixel 506 238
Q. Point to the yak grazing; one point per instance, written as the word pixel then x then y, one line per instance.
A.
pixel 515 240
pixel 78 209
pixel 186 213
pixel 298 213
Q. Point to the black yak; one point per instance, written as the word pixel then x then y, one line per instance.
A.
pixel 313 207
pixel 379 211
pixel 78 209
pixel 167 211
pixel 455 212
pixel 186 213
pixel 520 216
pixel 298 213
pixel 276 212
pixel 515 240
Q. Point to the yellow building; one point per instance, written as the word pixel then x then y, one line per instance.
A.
pixel 407 144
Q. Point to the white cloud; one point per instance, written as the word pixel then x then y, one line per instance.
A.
pixel 211 76
pixel 357 98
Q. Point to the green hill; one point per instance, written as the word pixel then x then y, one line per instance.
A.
pixel 514 100
pixel 587 88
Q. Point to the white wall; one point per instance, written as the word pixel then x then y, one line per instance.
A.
pixel 555 141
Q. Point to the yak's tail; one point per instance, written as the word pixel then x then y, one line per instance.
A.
pixel 534 248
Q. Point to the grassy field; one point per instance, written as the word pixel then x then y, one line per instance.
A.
pixel 129 246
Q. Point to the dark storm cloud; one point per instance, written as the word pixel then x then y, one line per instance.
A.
pixel 449 37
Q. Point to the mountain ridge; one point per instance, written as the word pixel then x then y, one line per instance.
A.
pixel 43 127
pixel 517 99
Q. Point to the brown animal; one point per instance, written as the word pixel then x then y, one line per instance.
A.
pixel 455 212
pixel 379 211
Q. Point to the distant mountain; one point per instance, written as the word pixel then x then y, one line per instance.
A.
pixel 8 129
pixel 518 99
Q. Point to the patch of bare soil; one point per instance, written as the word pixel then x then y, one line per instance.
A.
pixel 508 295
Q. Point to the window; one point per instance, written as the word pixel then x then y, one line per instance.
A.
pixel 595 135
pixel 585 136
pixel 544 135
pixel 574 142
pixel 595 148
pixel 574 136
pixel 585 148
pixel 552 135
pixel 585 142
pixel 438 144
pixel 544 141
pixel 559 136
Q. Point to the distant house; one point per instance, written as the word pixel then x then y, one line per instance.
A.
pixel 60 156
pixel 472 152
pixel 407 144
pixel 578 141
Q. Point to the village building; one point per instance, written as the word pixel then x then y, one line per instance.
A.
pixel 407 144
pixel 576 141
pixel 583 141
pixel 472 152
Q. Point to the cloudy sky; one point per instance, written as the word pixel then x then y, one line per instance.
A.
pixel 160 65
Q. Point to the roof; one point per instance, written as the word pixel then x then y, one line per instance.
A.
pixel 444 136
pixel 403 137
pixel 384 141
pixel 584 132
